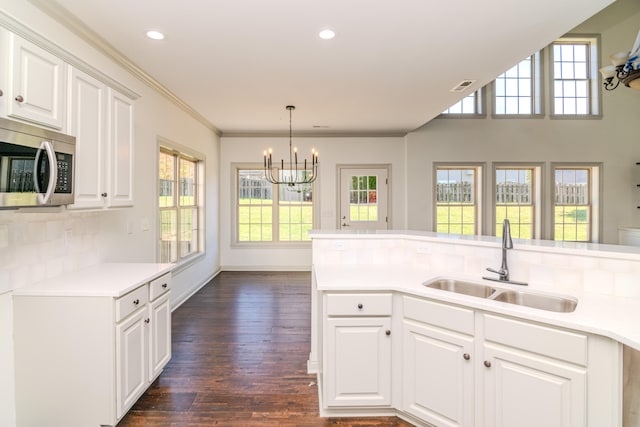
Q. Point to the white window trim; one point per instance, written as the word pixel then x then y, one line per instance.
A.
pixel 167 144
pixel 595 86
pixel 275 243
pixel 538 191
pixel 596 186
pixel 537 90
pixel 480 168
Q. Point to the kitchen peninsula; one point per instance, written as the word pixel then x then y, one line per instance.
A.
pixel 384 343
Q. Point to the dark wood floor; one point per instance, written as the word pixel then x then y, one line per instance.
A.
pixel 240 347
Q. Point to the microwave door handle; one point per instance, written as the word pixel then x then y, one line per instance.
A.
pixel 53 172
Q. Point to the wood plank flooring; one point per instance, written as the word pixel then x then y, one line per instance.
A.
pixel 240 347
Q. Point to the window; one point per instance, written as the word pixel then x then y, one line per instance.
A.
pixel 575 203
pixel 468 106
pixel 180 202
pixel 272 213
pixel 575 77
pixel 517 91
pixel 457 197
pixel 363 198
pixel 517 199
pixel 255 207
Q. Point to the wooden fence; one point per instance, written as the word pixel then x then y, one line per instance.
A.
pixel 511 193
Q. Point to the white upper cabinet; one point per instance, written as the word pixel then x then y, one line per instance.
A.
pixel 88 122
pixel 101 119
pixel 120 150
pixel 36 87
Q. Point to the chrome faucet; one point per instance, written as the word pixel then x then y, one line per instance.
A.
pixel 507 243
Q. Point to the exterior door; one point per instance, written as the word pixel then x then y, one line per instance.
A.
pixel 363 198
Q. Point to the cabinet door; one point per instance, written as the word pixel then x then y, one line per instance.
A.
pixel 120 191
pixel 37 86
pixel 88 102
pixel 526 390
pixel 357 359
pixel 132 360
pixel 438 371
pixel 160 335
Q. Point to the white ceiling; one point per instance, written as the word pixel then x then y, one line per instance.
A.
pixel 388 71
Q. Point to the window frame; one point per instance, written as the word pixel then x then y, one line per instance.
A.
pixel 479 105
pixel 595 183
pixel 537 91
pixel 275 218
pixel 537 169
pixel 478 188
pixel 178 152
pixel 594 86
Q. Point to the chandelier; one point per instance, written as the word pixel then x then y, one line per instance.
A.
pixel 297 173
pixel 625 68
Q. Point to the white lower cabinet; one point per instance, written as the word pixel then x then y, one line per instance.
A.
pixel 528 390
pixel 438 383
pixel 132 360
pixel 458 366
pixel 85 360
pixel 526 374
pixel 357 351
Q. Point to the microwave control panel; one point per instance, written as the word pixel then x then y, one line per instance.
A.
pixel 65 173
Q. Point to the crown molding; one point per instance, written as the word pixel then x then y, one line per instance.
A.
pixel 79 28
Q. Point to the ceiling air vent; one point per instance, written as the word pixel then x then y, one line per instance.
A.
pixel 462 85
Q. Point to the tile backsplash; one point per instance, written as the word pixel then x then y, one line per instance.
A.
pixel 37 245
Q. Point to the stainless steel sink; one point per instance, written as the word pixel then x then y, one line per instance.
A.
pixel 461 287
pixel 540 301
pixel 557 303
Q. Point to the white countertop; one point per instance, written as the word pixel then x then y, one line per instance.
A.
pixel 600 250
pixel 614 317
pixel 110 279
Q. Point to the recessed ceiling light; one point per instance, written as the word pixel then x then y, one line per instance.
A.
pixel 156 35
pixel 327 34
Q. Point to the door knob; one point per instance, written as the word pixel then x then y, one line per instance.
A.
pixel 487 363
pixel 19 98
pixel 466 356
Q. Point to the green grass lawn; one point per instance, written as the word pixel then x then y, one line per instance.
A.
pixel 571 223
pixel 255 221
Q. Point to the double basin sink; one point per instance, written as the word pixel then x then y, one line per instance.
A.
pixel 546 302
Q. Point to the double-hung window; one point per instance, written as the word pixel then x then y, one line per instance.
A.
pixel 517 92
pixel 576 197
pixel 574 67
pixel 457 199
pixel 271 213
pixel 180 202
pixel 517 198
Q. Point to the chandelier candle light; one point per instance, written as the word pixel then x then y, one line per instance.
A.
pixel 625 68
pixel 297 174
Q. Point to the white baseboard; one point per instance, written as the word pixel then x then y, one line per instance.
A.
pixel 266 268
pixel 178 303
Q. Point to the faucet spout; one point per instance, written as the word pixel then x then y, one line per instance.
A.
pixel 507 243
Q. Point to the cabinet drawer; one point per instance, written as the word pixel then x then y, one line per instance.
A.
pixel 443 315
pixel 159 286
pixel 130 302
pixel 359 304
pixel 556 343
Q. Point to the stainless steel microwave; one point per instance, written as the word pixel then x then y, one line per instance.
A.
pixel 36 166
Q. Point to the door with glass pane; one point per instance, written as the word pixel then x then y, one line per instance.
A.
pixel 363 198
